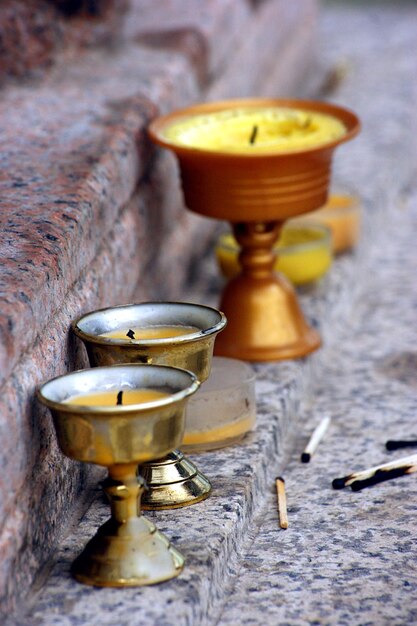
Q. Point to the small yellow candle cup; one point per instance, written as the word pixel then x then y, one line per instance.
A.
pixel 225 409
pixel 303 253
pixel 342 215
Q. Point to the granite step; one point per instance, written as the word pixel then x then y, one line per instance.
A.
pixel 354 311
pixel 212 534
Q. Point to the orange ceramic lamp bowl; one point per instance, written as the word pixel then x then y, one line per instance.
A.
pixel 269 161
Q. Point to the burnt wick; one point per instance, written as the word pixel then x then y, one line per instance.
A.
pixel 119 398
pixel 130 333
pixel 253 135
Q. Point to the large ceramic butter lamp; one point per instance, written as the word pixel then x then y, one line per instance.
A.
pixel 257 163
pixel 163 333
pixel 118 417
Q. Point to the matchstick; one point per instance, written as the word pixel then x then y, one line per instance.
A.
pixel 282 502
pixel 407 462
pixel 382 475
pixel 315 439
pixel 393 444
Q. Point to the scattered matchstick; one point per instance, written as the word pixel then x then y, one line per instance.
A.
pixel 315 439
pixel 130 333
pixel 394 444
pixel 119 398
pixel 406 463
pixel 282 502
pixel 382 475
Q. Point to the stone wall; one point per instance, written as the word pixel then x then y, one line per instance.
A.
pixel 91 213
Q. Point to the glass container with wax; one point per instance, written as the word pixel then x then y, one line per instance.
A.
pixel 303 253
pixel 257 163
pixel 118 417
pixel 224 410
pixel 342 215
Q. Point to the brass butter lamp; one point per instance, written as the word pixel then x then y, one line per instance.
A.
pixel 127 550
pixel 257 191
pixel 172 480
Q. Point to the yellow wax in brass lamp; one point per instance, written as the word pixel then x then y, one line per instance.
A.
pixel 150 332
pixel 114 398
pixel 256 130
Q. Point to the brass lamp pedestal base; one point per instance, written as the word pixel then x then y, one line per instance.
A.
pixel 265 319
pixel 128 550
pixel 173 482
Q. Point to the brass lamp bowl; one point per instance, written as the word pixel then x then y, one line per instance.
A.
pixel 127 550
pixel 257 192
pixel 189 351
pixel 173 481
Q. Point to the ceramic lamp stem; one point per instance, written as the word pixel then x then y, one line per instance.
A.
pixel 257 239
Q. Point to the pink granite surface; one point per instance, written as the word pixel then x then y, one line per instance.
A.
pixel 285 50
pixel 219 25
pixel 92 215
pixel 72 153
pixel 34 34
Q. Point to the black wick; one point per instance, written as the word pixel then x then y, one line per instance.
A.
pixel 253 135
pixel 119 398
pixel 130 333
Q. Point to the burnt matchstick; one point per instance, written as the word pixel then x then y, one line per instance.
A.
pixel 253 135
pixel 282 502
pixel 382 475
pixel 406 462
pixel 315 439
pixel 396 444
pixel 119 398
pixel 130 333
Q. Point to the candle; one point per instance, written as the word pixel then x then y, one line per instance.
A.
pixel 220 437
pixel 140 333
pixel 256 130
pixel 224 410
pixel 180 334
pixel 304 253
pixel 342 215
pixel 116 397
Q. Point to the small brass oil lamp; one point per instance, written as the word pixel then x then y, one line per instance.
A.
pixel 127 550
pixel 109 336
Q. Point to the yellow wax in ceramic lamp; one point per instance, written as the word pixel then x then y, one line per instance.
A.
pixel 259 130
pixel 150 332
pixel 304 253
pixel 114 397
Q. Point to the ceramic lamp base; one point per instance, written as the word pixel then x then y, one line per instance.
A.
pixel 173 482
pixel 265 322
pixel 130 554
